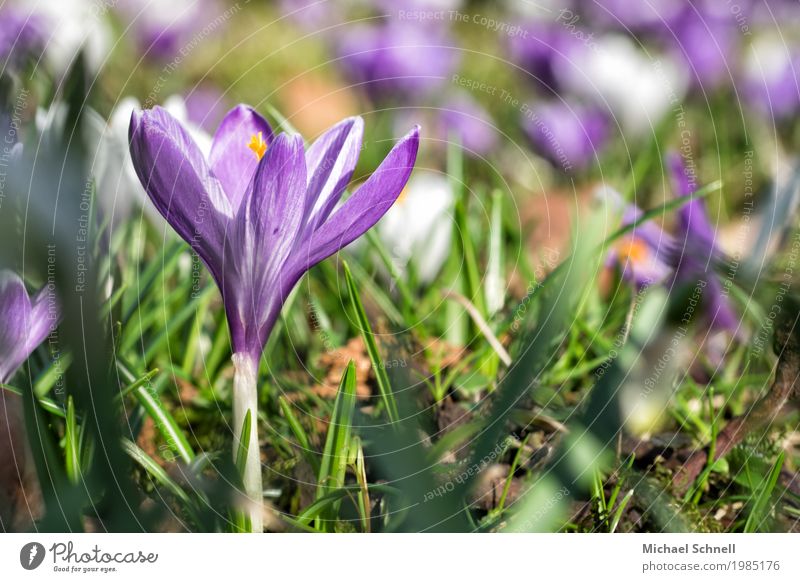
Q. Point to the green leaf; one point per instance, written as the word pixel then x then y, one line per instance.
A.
pixel 72 444
pixel 48 378
pixel 384 387
pixel 333 465
pixel 760 509
pixel 299 433
pixel 244 443
pixel 320 505
pixel 165 422
pixel 47 404
pixel 154 470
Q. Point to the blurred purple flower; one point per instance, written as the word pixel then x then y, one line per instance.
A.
pixel 25 322
pixel 161 31
pixel 65 28
pixel 543 49
pixel 695 254
pixel 205 107
pixel 634 16
pixel 310 14
pixel 398 59
pixel 685 260
pixel 769 77
pixel 707 43
pixel 771 13
pixel 21 37
pixel 569 136
pixel 315 15
pixel 421 7
pixel 455 116
pixel 260 214
pixel 465 119
pixel 642 254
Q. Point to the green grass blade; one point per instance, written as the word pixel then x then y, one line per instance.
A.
pixel 165 422
pixel 137 382
pixel 378 366
pixel 299 433
pixel 620 510
pixel 283 122
pixel 333 465
pixel 150 275
pixel 47 404
pixel 760 510
pixel 244 443
pixel 154 470
pixel 49 378
pixel 72 444
pixel 397 277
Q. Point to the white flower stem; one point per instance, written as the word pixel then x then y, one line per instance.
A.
pixel 245 397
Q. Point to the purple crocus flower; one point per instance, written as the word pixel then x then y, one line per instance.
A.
pixel 260 212
pixel 314 15
pixel 770 77
pixel 464 118
pixel 205 107
pixel 161 31
pixel 706 43
pixel 770 13
pixel 635 16
pixel 25 322
pixel 696 254
pixel 648 255
pixel 428 8
pixel 398 58
pixel 21 37
pixel 546 47
pixel 642 254
pixel 569 136
pixel 455 116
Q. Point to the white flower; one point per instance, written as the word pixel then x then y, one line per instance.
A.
pixel 418 228
pixel 73 25
pixel 615 73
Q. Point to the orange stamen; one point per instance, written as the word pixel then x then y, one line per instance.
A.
pixel 633 249
pixel 258 145
pixel 402 198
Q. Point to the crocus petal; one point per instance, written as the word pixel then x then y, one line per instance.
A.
pixel 648 230
pixel 721 314
pixel 266 229
pixel 695 253
pixel 45 314
pixel 697 235
pixel 15 310
pixel 232 161
pixel 179 183
pixel 365 207
pixel 643 252
pixel 331 161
